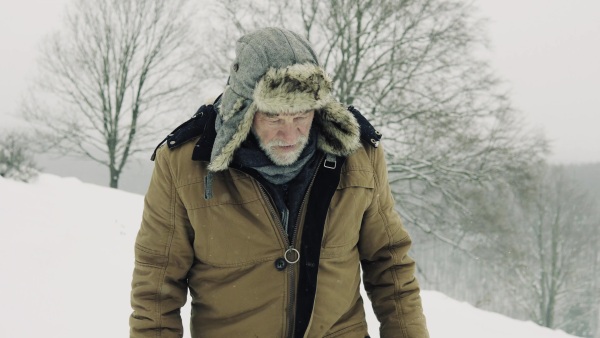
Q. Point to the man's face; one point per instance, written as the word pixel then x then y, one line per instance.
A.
pixel 282 136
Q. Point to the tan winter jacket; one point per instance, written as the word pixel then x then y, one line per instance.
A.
pixel 230 252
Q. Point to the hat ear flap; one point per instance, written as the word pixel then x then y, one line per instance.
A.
pixel 339 132
pixel 223 158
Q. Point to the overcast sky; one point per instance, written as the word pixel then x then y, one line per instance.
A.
pixel 548 52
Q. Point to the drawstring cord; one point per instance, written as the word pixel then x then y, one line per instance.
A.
pixel 208 183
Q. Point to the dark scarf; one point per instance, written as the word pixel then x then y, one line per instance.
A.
pixel 251 155
pixel 286 185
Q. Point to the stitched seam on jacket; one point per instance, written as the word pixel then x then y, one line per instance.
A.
pixel 190 182
pixel 141 248
pixel 147 250
pixel 398 303
pixel 201 180
pixel 336 251
pixel 223 203
pixel 235 265
pixel 167 249
pixel 148 265
pixel 356 168
pixel 347 329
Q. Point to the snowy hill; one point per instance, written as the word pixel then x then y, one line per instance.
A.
pixel 67 258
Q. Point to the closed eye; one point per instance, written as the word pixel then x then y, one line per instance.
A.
pixel 274 120
pixel 300 118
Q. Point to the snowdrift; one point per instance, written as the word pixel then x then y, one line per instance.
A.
pixel 67 257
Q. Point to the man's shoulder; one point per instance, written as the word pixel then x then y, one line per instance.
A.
pixel 369 137
pixel 359 159
pixel 368 134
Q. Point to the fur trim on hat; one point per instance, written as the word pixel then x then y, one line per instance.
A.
pixel 292 89
pixel 339 132
pixel 296 88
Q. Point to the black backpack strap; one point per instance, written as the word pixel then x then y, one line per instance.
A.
pixel 324 187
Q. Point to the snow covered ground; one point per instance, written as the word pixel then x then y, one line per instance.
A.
pixel 66 254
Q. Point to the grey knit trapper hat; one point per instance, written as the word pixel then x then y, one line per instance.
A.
pixel 276 71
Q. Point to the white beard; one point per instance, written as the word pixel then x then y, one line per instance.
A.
pixel 283 158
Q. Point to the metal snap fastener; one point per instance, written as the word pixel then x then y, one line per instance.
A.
pixel 280 264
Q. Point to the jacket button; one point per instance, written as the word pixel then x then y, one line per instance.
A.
pixel 280 264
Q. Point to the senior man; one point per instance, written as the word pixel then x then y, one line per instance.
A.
pixel 265 204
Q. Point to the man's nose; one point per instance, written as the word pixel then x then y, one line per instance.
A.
pixel 288 133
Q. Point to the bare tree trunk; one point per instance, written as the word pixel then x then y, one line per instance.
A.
pixel 110 76
pixel 114 177
pixel 598 324
pixel 596 277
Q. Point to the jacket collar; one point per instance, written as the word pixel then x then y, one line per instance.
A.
pixel 205 143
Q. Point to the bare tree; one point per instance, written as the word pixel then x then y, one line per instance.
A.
pixel 412 68
pixel 108 77
pixel 16 157
pixel 559 224
pixel 535 243
pixel 541 234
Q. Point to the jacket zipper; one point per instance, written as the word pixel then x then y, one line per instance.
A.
pixel 291 322
pixel 290 245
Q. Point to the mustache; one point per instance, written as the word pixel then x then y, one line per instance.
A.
pixel 280 143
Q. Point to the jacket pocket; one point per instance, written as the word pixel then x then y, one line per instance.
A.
pixel 232 235
pixel 348 205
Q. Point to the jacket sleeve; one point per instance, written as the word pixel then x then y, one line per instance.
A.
pixel 163 257
pixel 388 270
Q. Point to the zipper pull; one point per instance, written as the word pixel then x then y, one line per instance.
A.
pixel 291 255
